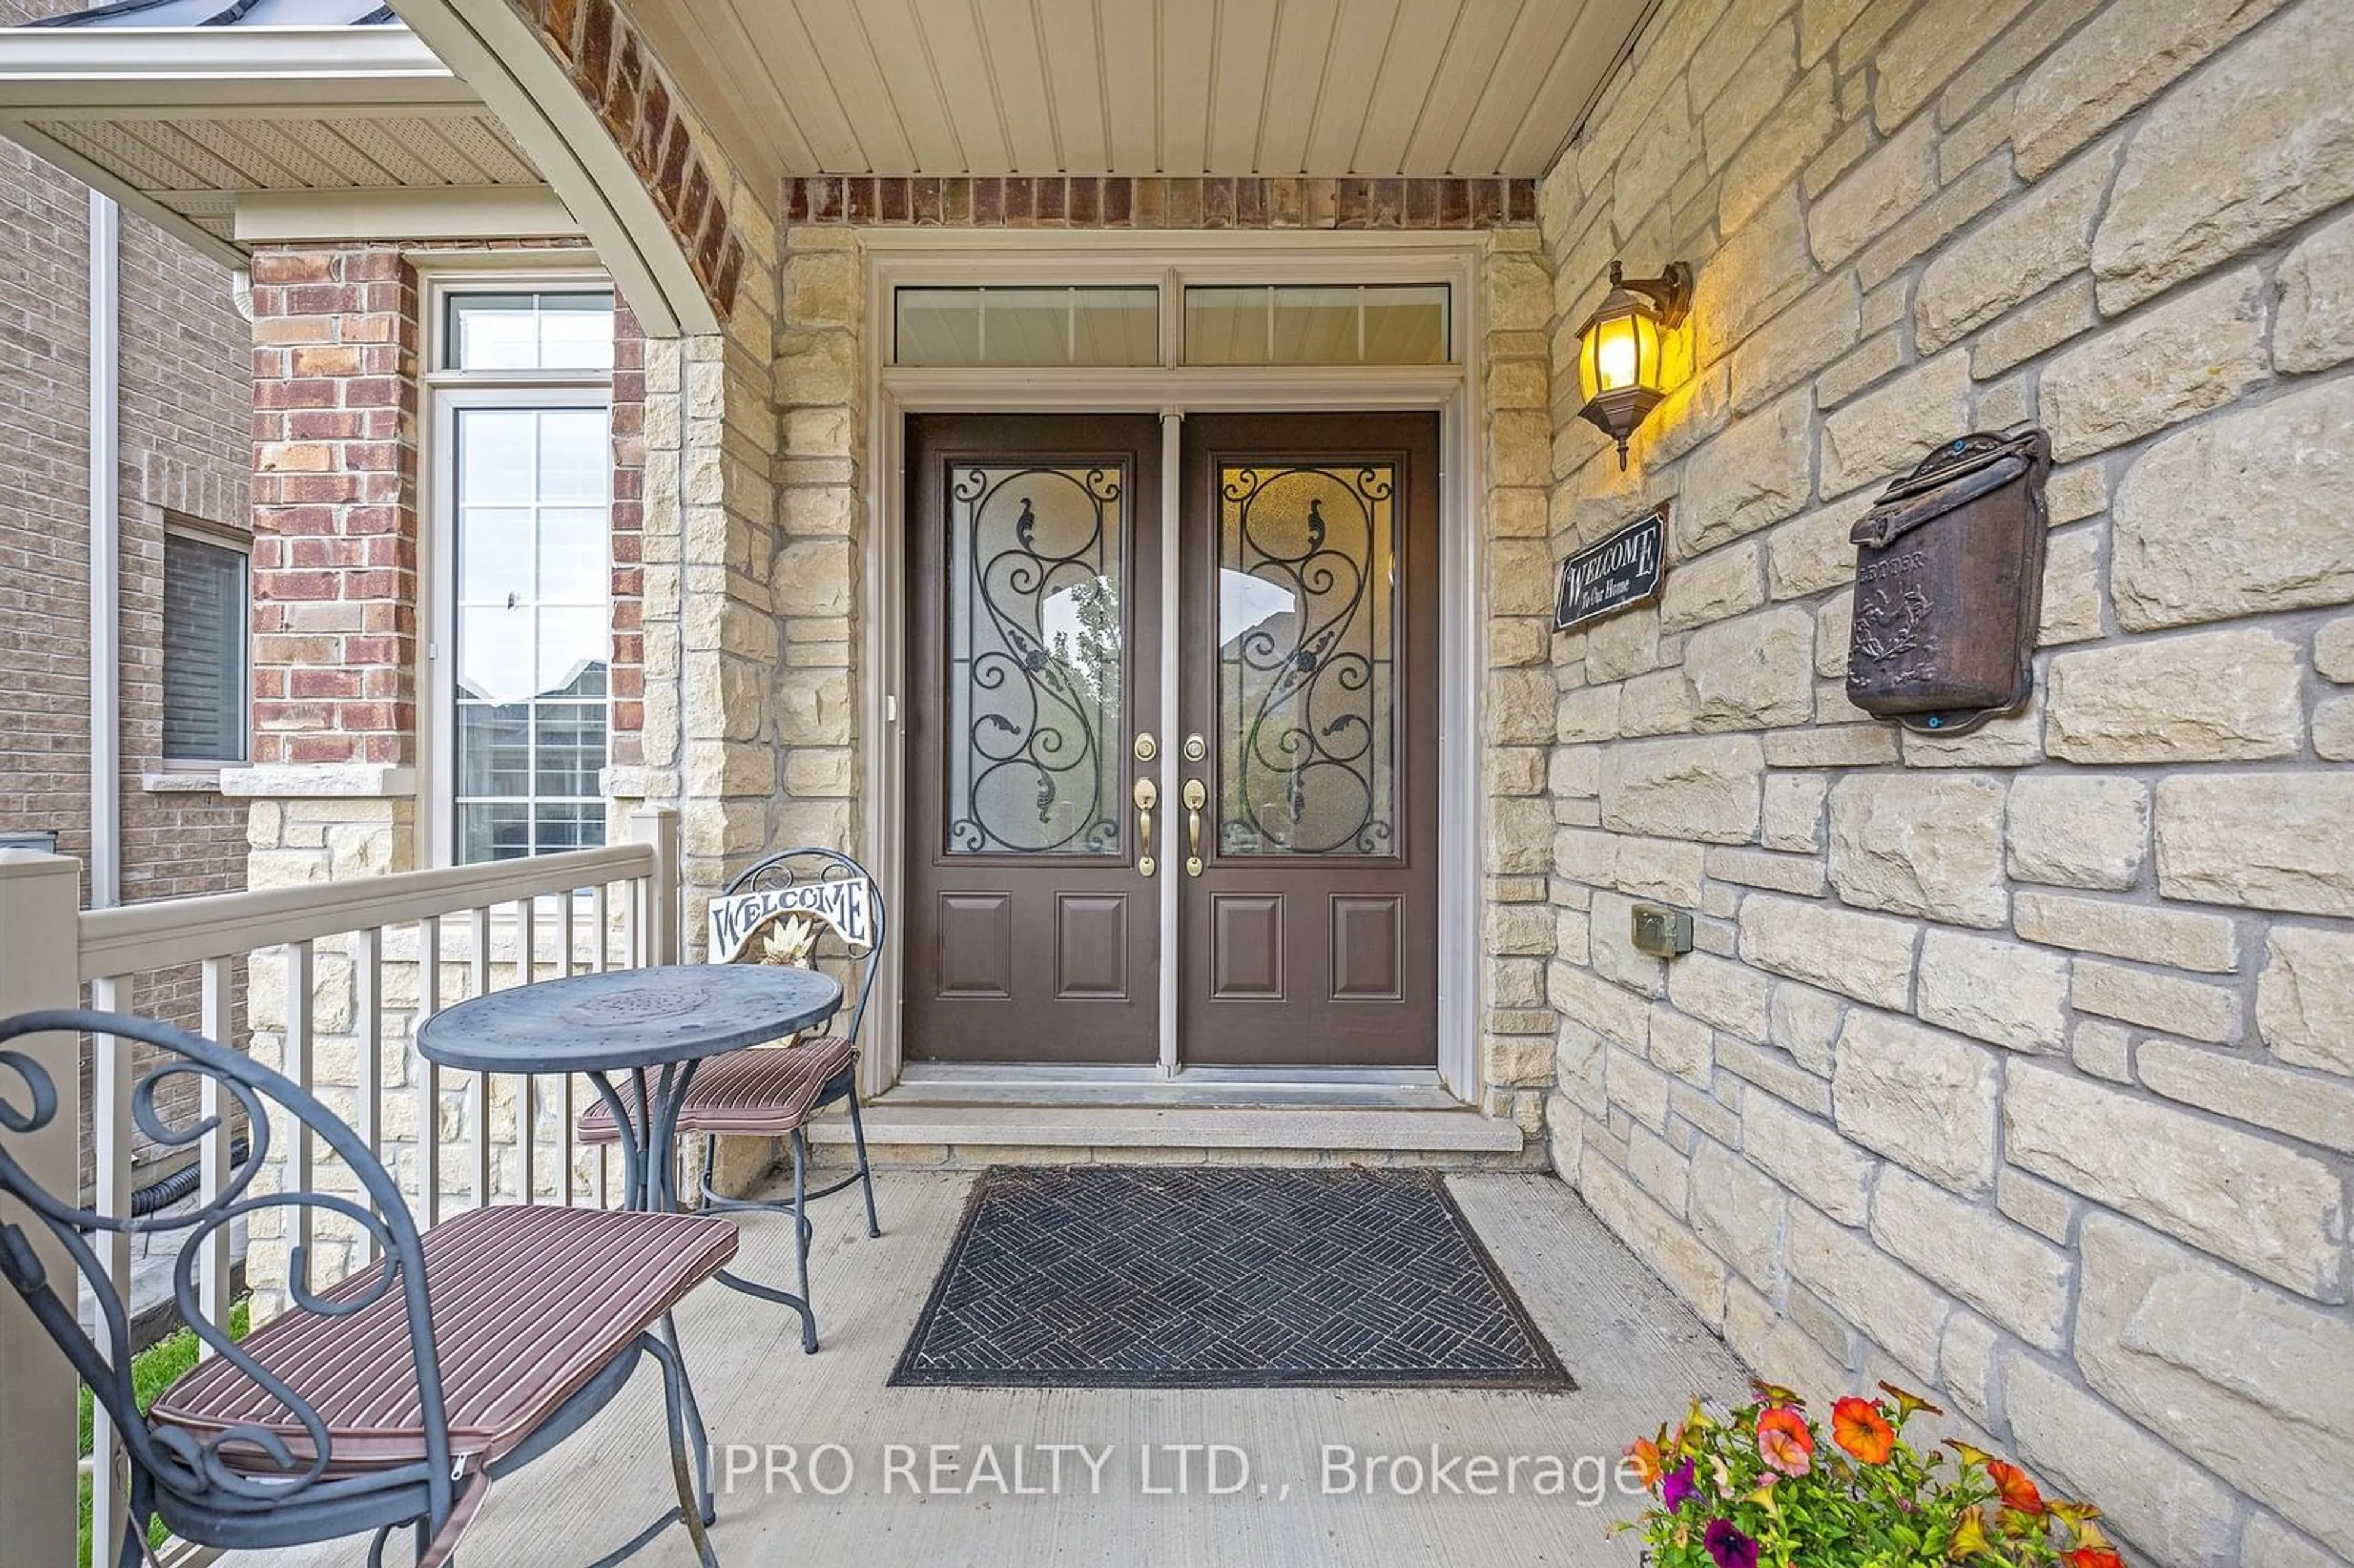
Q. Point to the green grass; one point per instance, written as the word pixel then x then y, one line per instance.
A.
pixel 153 1371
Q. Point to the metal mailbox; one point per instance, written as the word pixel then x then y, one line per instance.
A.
pixel 1949 586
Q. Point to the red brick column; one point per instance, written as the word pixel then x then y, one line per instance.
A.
pixel 334 506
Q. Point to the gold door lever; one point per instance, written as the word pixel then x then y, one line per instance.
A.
pixel 1196 797
pixel 1148 795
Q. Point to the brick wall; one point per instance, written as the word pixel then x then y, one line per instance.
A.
pixel 1153 201
pixel 2011 1065
pixel 182 349
pixel 335 505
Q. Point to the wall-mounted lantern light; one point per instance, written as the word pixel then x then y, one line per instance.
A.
pixel 1618 368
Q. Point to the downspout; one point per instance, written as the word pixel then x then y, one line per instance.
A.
pixel 105 554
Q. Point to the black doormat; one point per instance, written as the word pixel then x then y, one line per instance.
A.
pixel 1222 1278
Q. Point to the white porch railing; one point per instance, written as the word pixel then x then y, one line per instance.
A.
pixel 336 973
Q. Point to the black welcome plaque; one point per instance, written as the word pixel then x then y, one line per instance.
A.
pixel 1619 573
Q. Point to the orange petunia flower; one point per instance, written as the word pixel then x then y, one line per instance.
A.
pixel 1858 1426
pixel 1646 1455
pixel 2017 1491
pixel 2091 1557
pixel 1783 1441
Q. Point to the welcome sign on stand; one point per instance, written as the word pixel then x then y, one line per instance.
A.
pixel 1619 573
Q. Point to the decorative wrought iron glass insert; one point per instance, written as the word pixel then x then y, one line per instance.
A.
pixel 1306 655
pixel 1037 646
pixel 1384 323
pixel 1109 325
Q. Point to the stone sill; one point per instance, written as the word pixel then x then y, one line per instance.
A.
pixel 181 781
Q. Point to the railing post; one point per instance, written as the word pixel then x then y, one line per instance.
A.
pixel 40 965
pixel 657 826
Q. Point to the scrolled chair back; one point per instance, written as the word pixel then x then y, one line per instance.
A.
pixel 810 907
pixel 246 1468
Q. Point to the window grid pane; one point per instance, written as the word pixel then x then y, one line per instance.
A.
pixel 1400 323
pixel 534 630
pixel 491 331
pixel 1112 325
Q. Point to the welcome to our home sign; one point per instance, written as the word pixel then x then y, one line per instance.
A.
pixel 1619 573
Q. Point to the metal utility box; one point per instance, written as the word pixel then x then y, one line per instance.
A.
pixel 1949 584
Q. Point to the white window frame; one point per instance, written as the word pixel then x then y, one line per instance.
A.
pixel 221 537
pixel 447 393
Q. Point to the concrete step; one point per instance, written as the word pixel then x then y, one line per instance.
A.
pixel 983 1133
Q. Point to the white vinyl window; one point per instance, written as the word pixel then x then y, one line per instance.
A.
pixel 205 670
pixel 524 494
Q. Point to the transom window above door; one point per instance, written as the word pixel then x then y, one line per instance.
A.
pixel 1216 325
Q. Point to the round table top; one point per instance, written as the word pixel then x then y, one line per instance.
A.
pixel 628 1018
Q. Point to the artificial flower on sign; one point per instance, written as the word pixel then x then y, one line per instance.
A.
pixel 1765 1487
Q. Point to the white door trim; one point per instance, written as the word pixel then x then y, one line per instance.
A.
pixel 895 258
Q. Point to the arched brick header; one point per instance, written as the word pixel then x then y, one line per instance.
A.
pixel 617 76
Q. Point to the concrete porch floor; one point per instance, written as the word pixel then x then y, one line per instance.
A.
pixel 1637 1355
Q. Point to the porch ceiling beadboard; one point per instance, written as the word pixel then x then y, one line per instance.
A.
pixel 1472 88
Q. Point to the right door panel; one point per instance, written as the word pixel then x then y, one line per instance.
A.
pixel 1308 667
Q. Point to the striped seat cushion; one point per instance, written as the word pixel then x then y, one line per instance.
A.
pixel 528 1302
pixel 762 1091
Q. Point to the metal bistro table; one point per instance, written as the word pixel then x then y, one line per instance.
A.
pixel 656 1025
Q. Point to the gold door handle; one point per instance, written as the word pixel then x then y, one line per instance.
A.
pixel 1147 797
pixel 1196 797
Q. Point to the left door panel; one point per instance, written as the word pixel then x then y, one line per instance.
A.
pixel 1034 556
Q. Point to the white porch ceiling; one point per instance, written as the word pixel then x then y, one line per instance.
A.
pixel 1471 87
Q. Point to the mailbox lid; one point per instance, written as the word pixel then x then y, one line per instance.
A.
pixel 1950 478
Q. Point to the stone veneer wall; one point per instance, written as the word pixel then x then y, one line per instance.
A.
pixel 2015 1066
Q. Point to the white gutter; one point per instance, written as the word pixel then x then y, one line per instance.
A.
pixel 105 554
pixel 167 67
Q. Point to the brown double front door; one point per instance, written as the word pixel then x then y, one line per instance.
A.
pixel 1299 833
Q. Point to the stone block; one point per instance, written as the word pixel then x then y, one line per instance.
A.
pixel 1731 996
pixel 2079 831
pixel 2268 1543
pixel 1924 1099
pixel 1887 431
pixel 1792 816
pixel 1758 471
pixel 2034 243
pixel 1994 991
pixel 1738 1212
pixel 1894 178
pixel 1814 553
pixel 1521 706
pixel 2315 327
pixel 1806 1023
pixel 1588 714
pixel 1704 788
pixel 1808 1156
pixel 1801 875
pixel 2012 1275
pixel 1902 1313
pixel 2048 1211
pixel 1753 673
pixel 2157 1000
pixel 1867 956
pixel 2304 997
pixel 1663 869
pixel 2196 352
pixel 1769 162
pixel 2072 589
pixel 2148 1493
pixel 2319 1110
pixel 1721 584
pixel 2278 1384
pixel 2258 140
pixel 2280 472
pixel 2041 324
pixel 2178 938
pixel 2333 729
pixel 2237 1194
pixel 2272 841
pixel 1624 645
pixel 2333 651
pixel 1919 845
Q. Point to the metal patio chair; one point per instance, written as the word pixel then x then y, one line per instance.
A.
pixel 807 906
pixel 391 1399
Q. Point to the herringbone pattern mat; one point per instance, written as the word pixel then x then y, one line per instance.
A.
pixel 1221 1277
